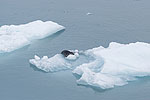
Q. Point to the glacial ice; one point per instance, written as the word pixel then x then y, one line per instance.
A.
pixel 16 36
pixel 89 13
pixel 53 64
pixel 108 67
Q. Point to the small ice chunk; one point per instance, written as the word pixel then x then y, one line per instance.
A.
pixel 76 51
pixel 89 13
pixel 71 57
pixel 36 57
pixel 44 58
pixel 76 54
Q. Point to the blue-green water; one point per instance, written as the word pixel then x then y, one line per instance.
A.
pixel 123 21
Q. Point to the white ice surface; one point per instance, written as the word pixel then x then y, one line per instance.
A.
pixel 113 66
pixel 53 64
pixel 16 36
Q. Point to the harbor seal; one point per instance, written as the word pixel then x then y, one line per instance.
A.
pixel 65 53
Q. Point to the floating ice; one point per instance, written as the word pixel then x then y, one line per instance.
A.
pixel 89 13
pixel 108 67
pixel 16 36
pixel 53 64
pixel 71 57
pixel 120 63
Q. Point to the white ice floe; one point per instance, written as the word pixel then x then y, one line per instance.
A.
pixel 113 66
pixel 120 63
pixel 16 36
pixel 53 64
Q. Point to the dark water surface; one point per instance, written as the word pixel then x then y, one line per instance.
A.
pixel 122 21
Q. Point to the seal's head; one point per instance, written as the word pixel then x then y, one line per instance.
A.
pixel 66 53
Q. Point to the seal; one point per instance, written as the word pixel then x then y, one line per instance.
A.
pixel 65 53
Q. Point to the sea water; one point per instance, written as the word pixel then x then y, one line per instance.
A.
pixel 111 21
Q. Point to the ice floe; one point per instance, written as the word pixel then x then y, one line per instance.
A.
pixel 115 65
pixel 55 63
pixel 16 36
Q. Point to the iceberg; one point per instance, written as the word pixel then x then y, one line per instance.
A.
pixel 13 37
pixel 106 68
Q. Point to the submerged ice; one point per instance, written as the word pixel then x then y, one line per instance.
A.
pixel 107 67
pixel 16 36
